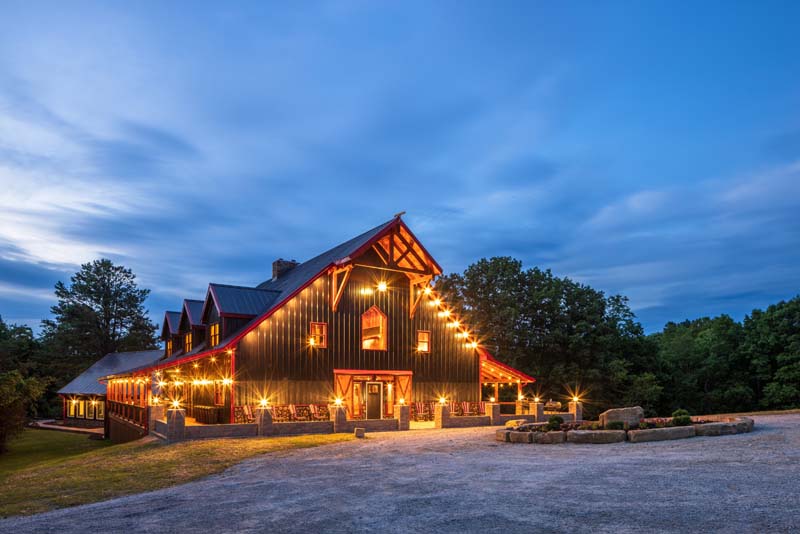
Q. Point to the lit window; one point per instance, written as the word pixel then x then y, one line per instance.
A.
pixel 168 347
pixel 423 341
pixel 187 342
pixel 213 334
pixel 71 408
pixel 318 337
pixel 373 329
pixel 81 409
pixel 99 412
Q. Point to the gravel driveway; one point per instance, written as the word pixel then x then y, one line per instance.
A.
pixel 461 480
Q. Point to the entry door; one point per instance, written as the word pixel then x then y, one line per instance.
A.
pixel 374 399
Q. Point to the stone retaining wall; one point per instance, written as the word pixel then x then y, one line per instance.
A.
pixel 241 430
pixel 661 434
pixel 296 428
pixel 596 436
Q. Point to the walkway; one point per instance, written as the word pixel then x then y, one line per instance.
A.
pixel 50 424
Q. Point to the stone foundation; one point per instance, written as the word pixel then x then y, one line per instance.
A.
pixel 596 436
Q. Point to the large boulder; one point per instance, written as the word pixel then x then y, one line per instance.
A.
pixel 661 434
pixel 548 438
pixel 631 416
pixel 515 423
pixel 519 437
pixel 596 436
pixel 502 435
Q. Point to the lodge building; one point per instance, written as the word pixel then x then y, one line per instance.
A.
pixel 359 326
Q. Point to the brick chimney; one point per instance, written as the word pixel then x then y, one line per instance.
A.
pixel 281 267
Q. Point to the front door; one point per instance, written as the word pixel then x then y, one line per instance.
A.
pixel 374 400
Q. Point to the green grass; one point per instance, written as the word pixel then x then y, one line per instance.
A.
pixel 34 447
pixel 56 479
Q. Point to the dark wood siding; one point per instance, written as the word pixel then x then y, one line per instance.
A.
pixel 275 360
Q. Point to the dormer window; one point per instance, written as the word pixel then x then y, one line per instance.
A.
pixel 187 342
pixel 373 329
pixel 168 347
pixel 213 334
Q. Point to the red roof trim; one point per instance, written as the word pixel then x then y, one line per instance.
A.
pixel 371 372
pixel 486 356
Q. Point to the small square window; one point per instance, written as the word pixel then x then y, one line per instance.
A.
pixel 168 347
pixel 187 342
pixel 423 341
pixel 319 335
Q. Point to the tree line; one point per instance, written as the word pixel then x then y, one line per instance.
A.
pixel 570 336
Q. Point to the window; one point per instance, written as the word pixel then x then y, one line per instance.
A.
pixel 90 409
pixel 81 409
pixel 423 341
pixel 100 409
pixel 168 347
pixel 219 393
pixel 373 329
pixel 71 408
pixel 213 334
pixel 187 342
pixel 319 335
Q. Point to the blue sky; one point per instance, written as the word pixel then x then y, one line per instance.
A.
pixel 645 148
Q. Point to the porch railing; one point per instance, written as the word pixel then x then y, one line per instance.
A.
pixel 129 412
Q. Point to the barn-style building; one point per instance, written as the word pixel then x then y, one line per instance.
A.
pixel 358 326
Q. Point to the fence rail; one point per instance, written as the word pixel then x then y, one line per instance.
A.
pixel 130 413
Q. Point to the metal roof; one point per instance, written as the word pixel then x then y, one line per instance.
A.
pixel 194 310
pixel 87 382
pixel 239 300
pixel 172 321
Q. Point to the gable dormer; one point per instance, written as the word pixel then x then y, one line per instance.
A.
pixel 170 332
pixel 192 329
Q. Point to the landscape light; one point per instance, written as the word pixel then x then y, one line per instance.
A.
pixel 264 402
pixel 575 399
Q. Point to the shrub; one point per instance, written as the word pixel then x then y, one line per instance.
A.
pixel 615 425
pixel 643 426
pixel 681 418
pixel 555 422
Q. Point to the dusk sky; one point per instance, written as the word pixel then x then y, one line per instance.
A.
pixel 644 148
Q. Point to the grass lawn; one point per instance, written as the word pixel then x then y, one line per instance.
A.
pixel 47 470
pixel 34 447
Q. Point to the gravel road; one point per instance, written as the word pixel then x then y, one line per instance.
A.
pixel 461 480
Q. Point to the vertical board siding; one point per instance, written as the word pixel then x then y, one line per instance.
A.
pixel 275 361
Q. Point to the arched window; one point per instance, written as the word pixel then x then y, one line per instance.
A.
pixel 373 329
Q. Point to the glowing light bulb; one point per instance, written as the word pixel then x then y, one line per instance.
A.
pixel 382 286
pixel 435 302
pixel 227 381
pixel 311 342
pixel 427 290
pixel 575 399
pixel 442 400
pixel 536 399
pixel 337 401
pixel 492 399
pixel 264 402
pixel 402 401
pixel 176 404
pixel 473 345
pixel 162 384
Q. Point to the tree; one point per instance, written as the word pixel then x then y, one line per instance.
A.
pixel 17 347
pixel 102 311
pixel 772 346
pixel 17 395
pixel 563 333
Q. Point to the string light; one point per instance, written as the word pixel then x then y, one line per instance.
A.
pixel 176 404
pixel 435 302
pixel 454 324
pixel 227 381
pixel 427 290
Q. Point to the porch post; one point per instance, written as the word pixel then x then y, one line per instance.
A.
pixel 176 424
pixel 576 409
pixel 264 420
pixel 402 413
